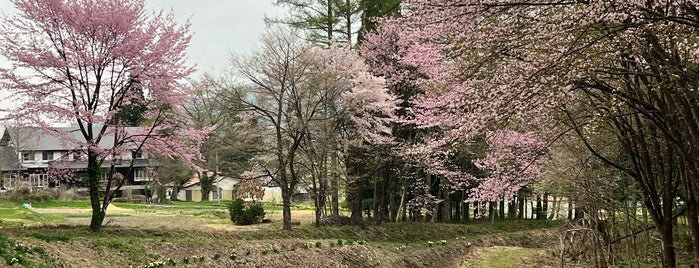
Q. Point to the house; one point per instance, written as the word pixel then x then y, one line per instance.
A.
pixel 227 187
pixel 273 193
pixel 32 156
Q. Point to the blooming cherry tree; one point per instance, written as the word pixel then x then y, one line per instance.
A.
pixel 90 63
pixel 519 64
pixel 512 162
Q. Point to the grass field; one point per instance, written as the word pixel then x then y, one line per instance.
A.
pixel 54 234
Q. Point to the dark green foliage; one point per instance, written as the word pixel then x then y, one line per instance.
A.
pixel 131 113
pixel 245 214
pixel 207 185
pixel 374 10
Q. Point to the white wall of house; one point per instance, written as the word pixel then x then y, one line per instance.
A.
pixel 227 186
pixel 40 159
pixel 273 195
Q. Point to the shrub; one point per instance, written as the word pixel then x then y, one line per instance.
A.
pixel 245 214
pixel 24 194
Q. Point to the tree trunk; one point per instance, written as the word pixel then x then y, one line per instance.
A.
pixel 355 195
pixel 173 194
pixel 693 222
pixel 439 209
pixel 206 184
pixel 385 197
pixel 539 207
pixel 520 204
pixel 491 211
pixel 456 216
pixel 446 210
pixel 570 210
pixel 316 201
pixel 93 174
pixel 668 247
pixel 394 203
pixel 286 207
pixel 579 213
pixel 501 210
pixel 336 186
pixel 511 211
pixel 556 207
pixel 402 208
pixel 376 200
pixel 545 205
pixel 466 211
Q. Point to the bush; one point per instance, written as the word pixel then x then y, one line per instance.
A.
pixel 24 194
pixel 245 214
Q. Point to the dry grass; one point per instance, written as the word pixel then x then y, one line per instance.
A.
pixel 136 235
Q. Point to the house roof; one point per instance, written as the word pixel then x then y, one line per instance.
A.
pixel 54 139
pixel 18 139
pixel 107 163
pixel 195 179
pixel 8 159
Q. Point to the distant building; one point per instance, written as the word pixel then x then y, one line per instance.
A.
pixel 225 188
pixel 27 155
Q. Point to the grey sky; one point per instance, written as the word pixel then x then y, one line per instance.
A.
pixel 220 26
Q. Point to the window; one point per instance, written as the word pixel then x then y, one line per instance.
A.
pixel 76 156
pixel 47 156
pixel 141 175
pixel 39 180
pixel 136 155
pixel 27 156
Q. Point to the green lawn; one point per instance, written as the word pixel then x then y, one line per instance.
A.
pixel 19 216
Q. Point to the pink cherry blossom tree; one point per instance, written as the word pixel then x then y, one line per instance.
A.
pixel 90 63
pixel 519 64
pixel 511 164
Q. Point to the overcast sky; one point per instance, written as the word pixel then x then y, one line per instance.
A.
pixel 219 27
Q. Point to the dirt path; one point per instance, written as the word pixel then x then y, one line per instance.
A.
pixel 504 257
pixel 112 209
